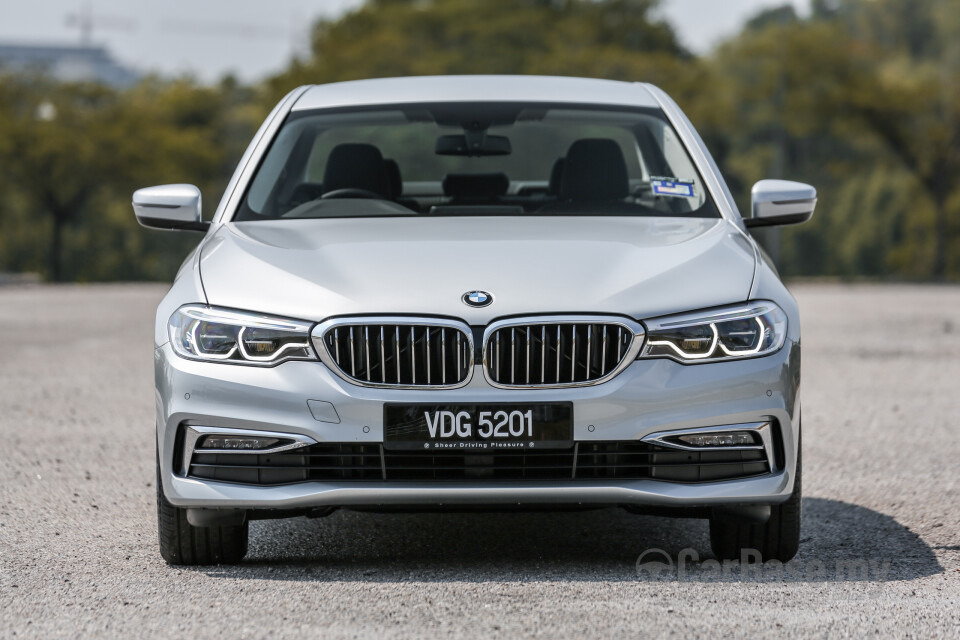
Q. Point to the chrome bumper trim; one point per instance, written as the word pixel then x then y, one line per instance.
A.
pixel 763 429
pixel 767 489
pixel 194 433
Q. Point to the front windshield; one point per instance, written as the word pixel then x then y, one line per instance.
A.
pixel 476 159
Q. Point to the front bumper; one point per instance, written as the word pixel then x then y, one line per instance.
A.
pixel 649 396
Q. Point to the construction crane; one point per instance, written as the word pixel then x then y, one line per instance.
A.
pixel 86 20
pixel 297 33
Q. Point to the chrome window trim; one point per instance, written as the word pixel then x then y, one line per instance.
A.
pixel 700 155
pixel 194 433
pixel 305 98
pixel 635 329
pixel 250 160
pixel 320 345
pixel 763 429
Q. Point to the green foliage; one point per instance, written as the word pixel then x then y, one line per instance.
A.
pixel 615 39
pixel 862 99
pixel 71 155
pixel 853 102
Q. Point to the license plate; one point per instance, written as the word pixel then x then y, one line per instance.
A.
pixel 477 427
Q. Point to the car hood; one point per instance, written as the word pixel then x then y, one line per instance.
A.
pixel 635 266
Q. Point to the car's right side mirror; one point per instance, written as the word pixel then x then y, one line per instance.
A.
pixel 775 202
pixel 174 207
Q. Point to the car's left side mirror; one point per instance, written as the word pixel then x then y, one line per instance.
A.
pixel 775 202
pixel 171 206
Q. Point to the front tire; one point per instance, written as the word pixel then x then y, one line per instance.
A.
pixel 181 543
pixel 776 539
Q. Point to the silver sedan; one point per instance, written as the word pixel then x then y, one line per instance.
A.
pixel 483 292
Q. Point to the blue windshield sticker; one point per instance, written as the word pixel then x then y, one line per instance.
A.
pixel 671 187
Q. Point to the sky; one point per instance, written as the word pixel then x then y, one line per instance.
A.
pixel 211 38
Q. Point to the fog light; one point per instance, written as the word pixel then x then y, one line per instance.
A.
pixel 728 439
pixel 237 442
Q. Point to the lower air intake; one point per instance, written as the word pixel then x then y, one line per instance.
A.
pixel 587 461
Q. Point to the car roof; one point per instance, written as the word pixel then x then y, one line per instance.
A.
pixel 477 88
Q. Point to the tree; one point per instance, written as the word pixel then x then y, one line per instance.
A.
pixel 73 154
pixel 913 105
pixel 861 99
pixel 617 39
pixel 838 100
pixel 46 154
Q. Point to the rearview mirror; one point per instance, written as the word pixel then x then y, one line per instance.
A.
pixel 482 145
pixel 775 202
pixel 170 206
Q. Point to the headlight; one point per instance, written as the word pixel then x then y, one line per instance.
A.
pixel 219 335
pixel 744 331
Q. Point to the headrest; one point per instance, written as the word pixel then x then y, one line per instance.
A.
pixel 594 170
pixel 356 166
pixel 394 181
pixel 475 185
pixel 556 176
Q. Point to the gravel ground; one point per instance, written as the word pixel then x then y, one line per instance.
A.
pixel 880 552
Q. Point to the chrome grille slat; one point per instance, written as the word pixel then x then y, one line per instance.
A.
pixel 413 355
pixel 393 352
pixel 383 359
pixel 397 344
pixel 513 354
pixel 353 360
pixel 558 346
pixel 528 356
pixel 573 355
pixel 603 350
pixel 427 342
pixel 543 353
pixel 589 344
pixel 366 347
pixel 575 351
pixel 336 341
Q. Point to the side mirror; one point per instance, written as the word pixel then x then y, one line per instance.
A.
pixel 775 202
pixel 170 206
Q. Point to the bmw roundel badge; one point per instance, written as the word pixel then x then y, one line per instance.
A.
pixel 477 298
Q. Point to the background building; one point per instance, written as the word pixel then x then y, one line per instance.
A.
pixel 66 63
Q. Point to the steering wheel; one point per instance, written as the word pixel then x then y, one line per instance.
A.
pixel 351 193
